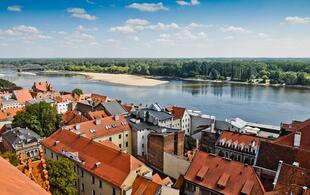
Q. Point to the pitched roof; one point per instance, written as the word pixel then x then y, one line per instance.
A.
pixel 295 125
pixel 96 114
pixel 17 137
pixel 113 108
pixel 22 95
pixel 65 98
pixel 178 112
pixel 302 128
pixel 13 181
pixel 99 98
pixel 144 186
pixel 222 175
pixel 101 127
pixel 292 178
pixel 73 117
pixel 9 113
pixel 269 155
pixel 239 139
pixel 157 179
pixel 42 86
pixel 114 167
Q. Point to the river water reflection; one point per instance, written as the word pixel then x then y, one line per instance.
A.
pixel 271 105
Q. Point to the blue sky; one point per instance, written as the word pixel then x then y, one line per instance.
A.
pixel 144 28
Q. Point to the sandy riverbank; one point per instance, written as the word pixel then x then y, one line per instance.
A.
pixel 123 79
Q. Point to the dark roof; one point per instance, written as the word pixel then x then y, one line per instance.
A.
pixel 113 108
pixel 19 136
pixel 269 155
pixel 145 125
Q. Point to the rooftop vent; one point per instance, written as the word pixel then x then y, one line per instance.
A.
pixel 57 142
pixel 202 172
pixel 222 182
pixel 78 127
pixel 297 139
pixel 116 117
pixel 114 125
pixel 98 121
pixel 97 164
pixel 92 130
pixel 296 164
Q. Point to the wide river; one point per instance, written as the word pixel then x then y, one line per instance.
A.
pixel 271 105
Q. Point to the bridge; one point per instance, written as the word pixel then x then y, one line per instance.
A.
pixel 30 67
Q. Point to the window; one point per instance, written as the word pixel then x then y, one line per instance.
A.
pixel 126 135
pixel 126 144
pixel 74 168
pixel 113 191
pixel 44 151
pixel 82 187
pixel 110 138
pixel 82 173
pixel 56 156
pixel 119 136
pixel 94 192
pixel 100 184
pixel 142 136
pixel 92 179
pixel 142 145
pixel 120 145
pixel 142 153
pixel 52 154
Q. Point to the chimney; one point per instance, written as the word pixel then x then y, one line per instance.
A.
pixel 297 139
pixel 57 142
pixel 97 164
pixel 98 121
pixel 78 127
pixel 296 164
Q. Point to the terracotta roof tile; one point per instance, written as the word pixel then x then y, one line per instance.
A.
pixel 270 154
pixel 157 179
pixel 22 95
pixel 96 115
pixel 178 112
pixel 239 138
pixel 99 98
pixel 292 178
pixel 12 181
pixel 9 113
pixel 101 127
pixel 144 186
pixel 115 165
pixel 65 98
pixel 42 86
pixel 223 176
pixel 73 117
pixel 304 129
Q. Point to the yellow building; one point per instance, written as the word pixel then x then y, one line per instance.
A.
pixel 102 168
pixel 110 128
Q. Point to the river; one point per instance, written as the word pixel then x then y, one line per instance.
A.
pixel 270 105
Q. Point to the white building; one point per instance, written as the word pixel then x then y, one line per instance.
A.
pixel 181 117
pixel 201 122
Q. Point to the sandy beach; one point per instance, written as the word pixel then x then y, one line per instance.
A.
pixel 123 79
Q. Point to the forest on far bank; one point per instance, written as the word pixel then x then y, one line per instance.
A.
pixel 290 71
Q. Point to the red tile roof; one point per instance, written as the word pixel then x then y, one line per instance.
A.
pixel 22 95
pixel 292 178
pixel 99 98
pixel 304 129
pixel 104 127
pixel 178 112
pixel 42 86
pixel 144 186
pixel 114 165
pixel 12 181
pixel 222 175
pixel 9 113
pixel 270 154
pixel 157 179
pixel 237 138
pixel 65 98
pixel 96 115
pixel 73 117
pixel 295 125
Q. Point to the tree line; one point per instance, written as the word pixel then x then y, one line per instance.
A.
pixel 277 71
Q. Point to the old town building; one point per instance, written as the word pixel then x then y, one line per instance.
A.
pixel 102 168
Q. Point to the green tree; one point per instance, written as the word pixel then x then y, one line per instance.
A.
pixel 77 91
pixel 11 156
pixel 4 84
pixel 61 176
pixel 42 118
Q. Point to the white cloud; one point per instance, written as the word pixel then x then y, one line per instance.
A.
pixel 188 3
pixel 14 8
pixel 90 2
pixel 81 28
pixel 135 38
pixel 234 29
pixel 24 32
pixel 262 35
pixel 148 7
pixel 161 26
pixel 137 22
pixel 81 13
pixel 297 20
pixel 122 29
pixel 61 32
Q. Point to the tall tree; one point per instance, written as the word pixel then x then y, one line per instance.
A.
pixel 62 177
pixel 77 91
pixel 42 118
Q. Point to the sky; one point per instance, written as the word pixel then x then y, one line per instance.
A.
pixel 151 29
